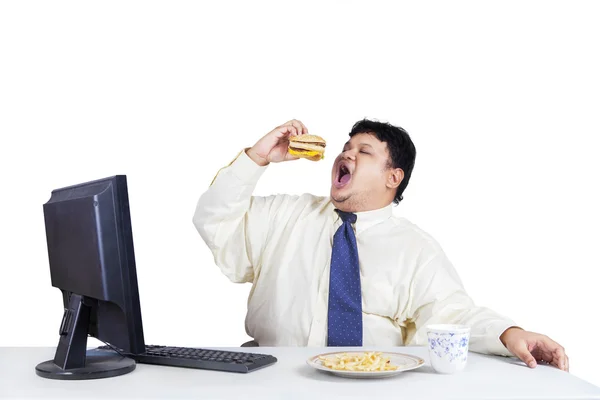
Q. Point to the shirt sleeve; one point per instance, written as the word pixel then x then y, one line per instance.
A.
pixel 232 222
pixel 440 298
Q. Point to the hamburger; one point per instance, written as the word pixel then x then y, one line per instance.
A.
pixel 311 147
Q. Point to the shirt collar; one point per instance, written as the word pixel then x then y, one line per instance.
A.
pixel 366 219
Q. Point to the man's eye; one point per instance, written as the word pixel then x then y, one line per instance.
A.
pixel 364 152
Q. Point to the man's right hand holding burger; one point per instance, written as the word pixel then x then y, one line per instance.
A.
pixel 275 145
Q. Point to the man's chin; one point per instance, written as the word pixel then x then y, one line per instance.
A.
pixel 338 196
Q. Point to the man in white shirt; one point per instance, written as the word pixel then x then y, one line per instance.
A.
pixel 342 269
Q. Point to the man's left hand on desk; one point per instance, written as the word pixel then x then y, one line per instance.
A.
pixel 533 347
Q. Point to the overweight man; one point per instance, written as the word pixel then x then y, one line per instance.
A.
pixel 342 270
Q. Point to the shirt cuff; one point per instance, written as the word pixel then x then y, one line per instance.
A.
pixel 493 343
pixel 243 168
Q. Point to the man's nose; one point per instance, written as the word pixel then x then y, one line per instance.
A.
pixel 348 154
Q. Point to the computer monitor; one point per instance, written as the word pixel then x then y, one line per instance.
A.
pixel 91 257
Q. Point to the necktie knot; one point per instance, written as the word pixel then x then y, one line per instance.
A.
pixel 347 216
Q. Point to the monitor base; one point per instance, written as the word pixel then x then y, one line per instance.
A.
pixel 98 364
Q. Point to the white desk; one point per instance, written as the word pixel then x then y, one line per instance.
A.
pixel 291 378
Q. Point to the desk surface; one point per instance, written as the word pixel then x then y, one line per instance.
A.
pixel 290 378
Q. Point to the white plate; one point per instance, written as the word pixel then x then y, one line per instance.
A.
pixel 405 362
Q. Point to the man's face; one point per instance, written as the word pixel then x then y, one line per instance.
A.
pixel 360 174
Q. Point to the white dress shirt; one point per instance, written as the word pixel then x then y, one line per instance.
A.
pixel 282 244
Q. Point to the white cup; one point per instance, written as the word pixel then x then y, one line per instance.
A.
pixel 448 347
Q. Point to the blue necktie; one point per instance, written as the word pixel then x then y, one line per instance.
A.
pixel 344 318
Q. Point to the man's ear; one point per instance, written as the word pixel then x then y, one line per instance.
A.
pixel 395 177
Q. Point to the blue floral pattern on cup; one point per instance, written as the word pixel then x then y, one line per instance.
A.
pixel 452 346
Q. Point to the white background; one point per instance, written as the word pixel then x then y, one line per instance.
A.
pixel 501 100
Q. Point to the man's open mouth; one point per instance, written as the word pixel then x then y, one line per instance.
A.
pixel 343 176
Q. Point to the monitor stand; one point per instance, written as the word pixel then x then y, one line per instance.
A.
pixel 72 361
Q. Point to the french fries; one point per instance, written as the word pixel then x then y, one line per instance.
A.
pixel 367 361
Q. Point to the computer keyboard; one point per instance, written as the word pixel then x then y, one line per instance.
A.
pixel 229 361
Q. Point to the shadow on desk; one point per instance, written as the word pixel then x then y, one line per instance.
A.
pixel 507 360
pixel 322 376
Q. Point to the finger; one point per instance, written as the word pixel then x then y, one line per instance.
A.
pixel 546 354
pixel 521 350
pixel 304 128
pixel 291 157
pixel 553 352
pixel 290 122
pixel 559 359
pixel 296 124
pixel 288 130
pixel 283 131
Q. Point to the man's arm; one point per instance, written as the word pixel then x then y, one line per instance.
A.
pixel 440 298
pixel 232 222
